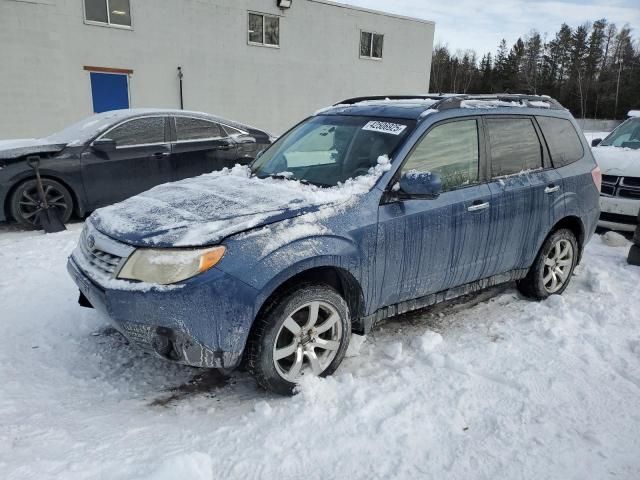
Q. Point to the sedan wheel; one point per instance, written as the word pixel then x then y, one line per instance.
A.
pixel 26 202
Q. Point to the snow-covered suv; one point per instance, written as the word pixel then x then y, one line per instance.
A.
pixel 368 209
pixel 619 158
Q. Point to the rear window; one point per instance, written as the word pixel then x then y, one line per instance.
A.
pixel 514 146
pixel 196 129
pixel 564 144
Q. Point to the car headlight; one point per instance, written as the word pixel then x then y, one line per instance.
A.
pixel 169 265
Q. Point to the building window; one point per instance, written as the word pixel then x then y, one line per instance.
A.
pixel 108 12
pixel 264 30
pixel 371 45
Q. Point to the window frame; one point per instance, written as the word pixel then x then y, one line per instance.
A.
pixel 263 15
pixel 174 129
pixel 371 57
pixel 483 177
pixel 549 162
pixel 544 149
pixel 108 22
pixel 123 122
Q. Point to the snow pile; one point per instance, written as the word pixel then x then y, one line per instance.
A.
pixel 515 389
pixel 479 103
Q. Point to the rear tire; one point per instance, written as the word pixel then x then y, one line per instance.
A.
pixel 305 331
pixel 25 200
pixel 552 269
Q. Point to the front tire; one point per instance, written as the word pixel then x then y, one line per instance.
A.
pixel 25 201
pixel 305 331
pixel 553 267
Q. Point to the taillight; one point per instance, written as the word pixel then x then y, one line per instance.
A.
pixel 596 174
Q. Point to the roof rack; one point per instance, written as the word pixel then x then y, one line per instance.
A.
pixel 352 101
pixel 455 101
pixel 449 101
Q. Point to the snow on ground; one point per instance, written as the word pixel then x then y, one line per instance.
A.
pixel 497 387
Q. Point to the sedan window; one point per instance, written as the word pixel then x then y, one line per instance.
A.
pixel 451 151
pixel 188 128
pixel 140 131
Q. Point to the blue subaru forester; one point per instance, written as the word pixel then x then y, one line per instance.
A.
pixel 368 209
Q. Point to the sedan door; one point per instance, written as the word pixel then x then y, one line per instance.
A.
pixel 430 245
pixel 140 161
pixel 200 146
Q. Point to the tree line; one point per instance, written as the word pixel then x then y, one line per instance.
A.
pixel 593 69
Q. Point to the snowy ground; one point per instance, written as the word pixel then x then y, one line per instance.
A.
pixel 498 388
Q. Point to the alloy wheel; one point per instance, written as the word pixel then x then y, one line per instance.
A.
pixel 308 340
pixel 557 266
pixel 30 203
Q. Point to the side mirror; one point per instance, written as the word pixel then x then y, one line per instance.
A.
pixel 104 145
pixel 595 142
pixel 419 184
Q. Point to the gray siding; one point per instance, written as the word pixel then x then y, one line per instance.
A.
pixel 45 44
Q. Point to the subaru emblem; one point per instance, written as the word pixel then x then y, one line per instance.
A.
pixel 91 242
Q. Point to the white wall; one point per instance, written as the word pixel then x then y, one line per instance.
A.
pixel 44 45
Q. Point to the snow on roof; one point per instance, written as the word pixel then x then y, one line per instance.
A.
pixel 633 113
pixel 480 103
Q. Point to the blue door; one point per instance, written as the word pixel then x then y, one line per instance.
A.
pixel 109 91
pixel 430 245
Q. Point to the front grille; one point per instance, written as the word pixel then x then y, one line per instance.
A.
pixel 105 262
pixel 625 187
pixel 618 218
pixel 630 181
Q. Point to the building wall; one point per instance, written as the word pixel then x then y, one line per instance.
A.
pixel 44 45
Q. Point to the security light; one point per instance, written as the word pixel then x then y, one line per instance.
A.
pixel 284 3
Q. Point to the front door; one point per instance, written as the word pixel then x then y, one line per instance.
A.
pixel 200 146
pixel 430 245
pixel 140 161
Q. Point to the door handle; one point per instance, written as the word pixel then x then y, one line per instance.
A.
pixel 160 154
pixel 552 189
pixel 478 206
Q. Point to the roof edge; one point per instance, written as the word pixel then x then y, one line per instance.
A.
pixel 374 12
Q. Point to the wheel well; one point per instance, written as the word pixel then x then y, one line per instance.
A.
pixel 339 279
pixel 74 196
pixel 574 224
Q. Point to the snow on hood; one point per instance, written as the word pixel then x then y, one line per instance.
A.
pixel 206 209
pixel 618 161
pixel 20 148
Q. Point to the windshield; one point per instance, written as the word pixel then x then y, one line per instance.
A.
pixel 626 135
pixel 329 149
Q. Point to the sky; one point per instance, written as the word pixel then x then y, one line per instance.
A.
pixel 480 25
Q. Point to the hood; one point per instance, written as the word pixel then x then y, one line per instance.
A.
pixel 618 161
pixel 10 149
pixel 204 210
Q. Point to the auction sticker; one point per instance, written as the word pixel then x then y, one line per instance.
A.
pixel 385 127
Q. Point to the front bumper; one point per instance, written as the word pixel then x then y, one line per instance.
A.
pixel 619 213
pixel 203 323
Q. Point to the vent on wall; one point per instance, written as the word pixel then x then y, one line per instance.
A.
pixel 284 3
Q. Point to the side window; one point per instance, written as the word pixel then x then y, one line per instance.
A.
pixel 138 132
pixel 197 129
pixel 451 151
pixel 563 141
pixel 514 146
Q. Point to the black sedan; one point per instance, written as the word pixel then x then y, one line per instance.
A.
pixel 113 155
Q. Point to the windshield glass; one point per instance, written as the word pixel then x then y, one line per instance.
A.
pixel 329 149
pixel 626 135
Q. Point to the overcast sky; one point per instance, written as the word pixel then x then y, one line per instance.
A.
pixel 480 24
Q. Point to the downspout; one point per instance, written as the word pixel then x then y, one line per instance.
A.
pixel 180 75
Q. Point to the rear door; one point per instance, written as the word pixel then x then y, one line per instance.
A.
pixel 140 161
pixel 523 191
pixel 429 245
pixel 200 146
